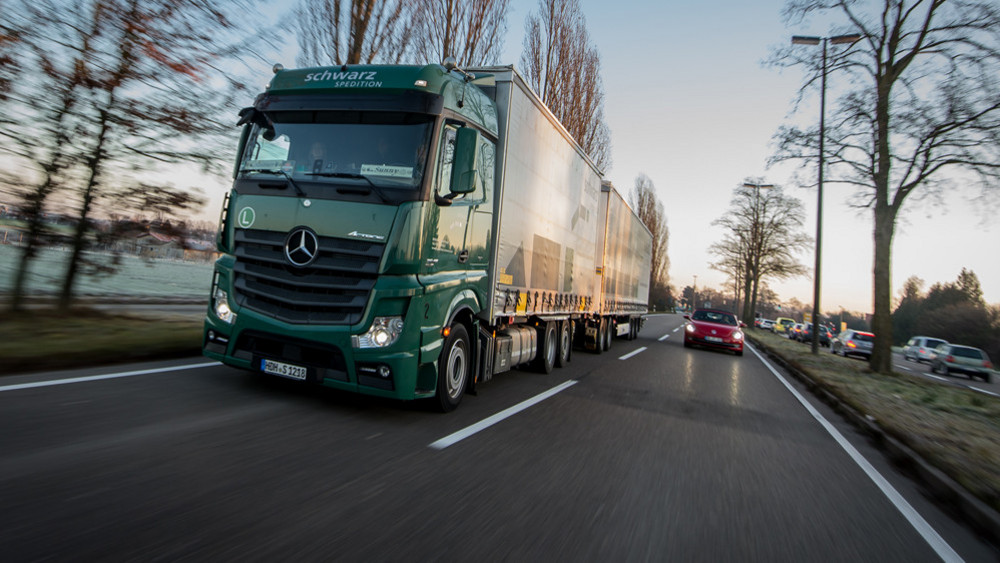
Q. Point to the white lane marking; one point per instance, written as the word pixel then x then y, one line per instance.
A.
pixel 937 377
pixel 937 543
pixel 982 391
pixel 634 352
pixel 498 417
pixel 105 376
pixel 903 367
pixel 676 329
pixel 664 337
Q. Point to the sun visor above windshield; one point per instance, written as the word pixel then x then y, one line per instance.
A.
pixel 415 102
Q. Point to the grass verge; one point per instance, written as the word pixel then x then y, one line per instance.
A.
pixel 955 429
pixel 42 340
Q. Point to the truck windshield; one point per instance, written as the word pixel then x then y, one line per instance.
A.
pixel 353 150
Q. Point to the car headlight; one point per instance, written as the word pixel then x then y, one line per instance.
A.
pixel 383 332
pixel 221 307
pixel 689 328
pixel 737 335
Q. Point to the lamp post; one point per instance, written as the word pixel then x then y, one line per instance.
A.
pixel 807 40
pixel 755 246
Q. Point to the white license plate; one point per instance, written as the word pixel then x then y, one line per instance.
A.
pixel 713 339
pixel 284 370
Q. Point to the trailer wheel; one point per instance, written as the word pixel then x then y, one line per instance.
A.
pixel 565 343
pixel 608 328
pixel 548 348
pixel 598 338
pixel 453 368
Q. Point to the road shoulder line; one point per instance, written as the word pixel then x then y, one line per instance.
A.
pixel 928 533
pixel 88 378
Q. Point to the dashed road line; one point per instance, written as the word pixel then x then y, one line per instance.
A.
pixel 991 393
pixel 464 433
pixel 664 337
pixel 633 353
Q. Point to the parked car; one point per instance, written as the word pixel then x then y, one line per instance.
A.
pixel 971 361
pixel 853 343
pixel 767 324
pixel 782 324
pixel 795 333
pixel 824 335
pixel 921 348
pixel 714 329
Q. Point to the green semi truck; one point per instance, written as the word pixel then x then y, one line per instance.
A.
pixel 412 231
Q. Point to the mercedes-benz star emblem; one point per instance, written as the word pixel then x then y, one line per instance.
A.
pixel 301 247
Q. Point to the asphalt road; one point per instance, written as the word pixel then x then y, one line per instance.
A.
pixel 651 452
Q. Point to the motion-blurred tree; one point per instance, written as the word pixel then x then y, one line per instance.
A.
pixel 562 65
pixel 472 31
pixel 339 32
pixel 138 84
pixel 925 113
pixel 762 236
pixel 650 211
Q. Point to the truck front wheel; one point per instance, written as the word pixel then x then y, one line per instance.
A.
pixel 453 368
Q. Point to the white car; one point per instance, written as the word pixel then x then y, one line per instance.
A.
pixel 921 348
pixel 767 324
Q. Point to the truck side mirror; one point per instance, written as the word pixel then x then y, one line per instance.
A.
pixel 464 175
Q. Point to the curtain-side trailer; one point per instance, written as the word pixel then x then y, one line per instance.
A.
pixel 409 232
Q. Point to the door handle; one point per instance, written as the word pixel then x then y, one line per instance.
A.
pixel 463 256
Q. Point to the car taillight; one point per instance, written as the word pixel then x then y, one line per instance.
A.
pixel 987 365
pixel 950 359
pixel 851 344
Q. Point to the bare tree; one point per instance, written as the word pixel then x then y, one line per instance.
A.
pixel 339 32
pixel 125 86
pixel 650 210
pixel 564 68
pixel 924 114
pixel 763 235
pixel 472 31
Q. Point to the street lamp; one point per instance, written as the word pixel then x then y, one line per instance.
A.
pixel 755 249
pixel 808 40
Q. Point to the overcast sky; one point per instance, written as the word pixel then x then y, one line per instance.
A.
pixel 690 105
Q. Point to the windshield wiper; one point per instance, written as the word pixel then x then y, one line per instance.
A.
pixel 275 173
pixel 373 187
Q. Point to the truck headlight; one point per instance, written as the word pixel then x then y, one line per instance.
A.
pixel 383 332
pixel 221 307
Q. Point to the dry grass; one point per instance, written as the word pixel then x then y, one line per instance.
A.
pixel 955 429
pixel 39 340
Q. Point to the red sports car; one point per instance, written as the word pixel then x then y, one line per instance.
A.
pixel 714 329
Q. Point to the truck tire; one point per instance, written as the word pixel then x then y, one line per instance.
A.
pixel 548 348
pixel 608 334
pixel 453 368
pixel 565 343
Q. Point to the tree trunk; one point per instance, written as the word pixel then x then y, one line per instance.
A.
pixel 80 235
pixel 885 221
pixel 885 225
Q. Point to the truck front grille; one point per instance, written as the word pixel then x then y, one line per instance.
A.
pixel 333 289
